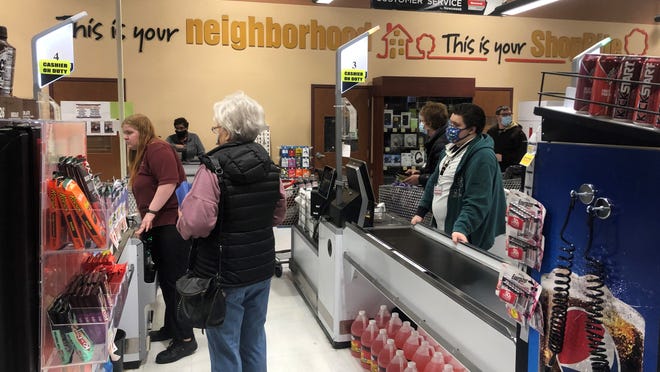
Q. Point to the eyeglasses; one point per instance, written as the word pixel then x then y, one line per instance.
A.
pixel 506 114
pixel 215 129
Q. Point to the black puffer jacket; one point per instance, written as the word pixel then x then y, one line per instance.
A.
pixel 249 193
pixel 433 147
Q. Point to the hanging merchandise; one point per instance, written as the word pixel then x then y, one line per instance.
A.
pixel 521 295
pixel 524 228
pixel 295 162
pixel 7 63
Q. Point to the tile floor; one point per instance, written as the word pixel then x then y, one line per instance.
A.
pixel 296 342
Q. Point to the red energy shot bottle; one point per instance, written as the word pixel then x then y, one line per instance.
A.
pixel 423 355
pixel 436 364
pixel 357 327
pixel 366 341
pixel 376 347
pixel 393 325
pixel 382 316
pixel 412 344
pixel 398 363
pixel 385 356
pixel 402 334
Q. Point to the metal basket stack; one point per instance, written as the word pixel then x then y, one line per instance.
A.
pixel 291 216
pixel 403 201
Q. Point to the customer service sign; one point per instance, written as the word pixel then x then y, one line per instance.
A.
pixel 453 6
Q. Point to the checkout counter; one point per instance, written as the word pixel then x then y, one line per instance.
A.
pixel 190 168
pixel 447 290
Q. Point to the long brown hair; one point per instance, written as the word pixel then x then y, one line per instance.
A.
pixel 145 128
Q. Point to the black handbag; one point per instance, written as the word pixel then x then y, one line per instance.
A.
pixel 201 300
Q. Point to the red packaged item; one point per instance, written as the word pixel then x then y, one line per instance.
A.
pixel 585 82
pixel 602 90
pixel 74 228
pixel 79 202
pixel 625 91
pixel 648 96
pixel 54 217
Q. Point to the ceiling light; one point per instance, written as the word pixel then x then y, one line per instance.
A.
pixel 519 6
pixel 323 1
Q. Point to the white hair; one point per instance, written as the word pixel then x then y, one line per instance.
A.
pixel 241 116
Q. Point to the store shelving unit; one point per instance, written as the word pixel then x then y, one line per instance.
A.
pixel 617 157
pixel 59 266
pixel 402 94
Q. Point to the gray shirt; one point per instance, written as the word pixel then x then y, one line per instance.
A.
pixel 193 146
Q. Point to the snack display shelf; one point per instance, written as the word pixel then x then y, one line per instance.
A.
pixel 100 333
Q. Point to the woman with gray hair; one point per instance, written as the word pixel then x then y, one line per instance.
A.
pixel 232 219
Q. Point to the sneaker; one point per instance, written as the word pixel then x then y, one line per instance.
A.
pixel 160 335
pixel 176 350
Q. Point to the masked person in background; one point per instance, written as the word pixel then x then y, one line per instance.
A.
pixel 433 116
pixel 187 143
pixel 155 172
pixel 233 221
pixel 465 190
pixel 510 140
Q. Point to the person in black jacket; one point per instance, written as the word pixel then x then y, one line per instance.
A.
pixel 232 220
pixel 510 139
pixel 433 116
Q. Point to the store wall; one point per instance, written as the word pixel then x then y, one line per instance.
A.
pixel 171 75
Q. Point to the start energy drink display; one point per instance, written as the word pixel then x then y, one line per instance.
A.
pixel 648 95
pixel 626 87
pixel 585 83
pixel 602 90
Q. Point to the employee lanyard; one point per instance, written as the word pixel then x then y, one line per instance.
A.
pixel 449 157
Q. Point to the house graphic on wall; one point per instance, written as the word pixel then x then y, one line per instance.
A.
pixel 396 43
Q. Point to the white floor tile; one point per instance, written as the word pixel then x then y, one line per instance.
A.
pixel 296 342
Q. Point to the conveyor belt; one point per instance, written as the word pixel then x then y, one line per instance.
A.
pixel 443 263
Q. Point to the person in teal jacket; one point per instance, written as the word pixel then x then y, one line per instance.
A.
pixel 465 191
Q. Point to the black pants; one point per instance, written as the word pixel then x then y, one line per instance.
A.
pixel 170 253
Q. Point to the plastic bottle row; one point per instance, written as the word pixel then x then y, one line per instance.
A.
pixel 389 344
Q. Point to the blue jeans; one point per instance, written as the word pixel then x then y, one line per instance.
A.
pixel 239 344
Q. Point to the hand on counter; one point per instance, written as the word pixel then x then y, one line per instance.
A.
pixel 458 237
pixel 416 219
pixel 412 180
pixel 147 223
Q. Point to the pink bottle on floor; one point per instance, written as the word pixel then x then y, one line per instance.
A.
pixel 376 347
pixel 386 355
pixel 393 325
pixel 366 340
pixel 402 334
pixel 436 364
pixel 448 368
pixel 423 355
pixel 412 367
pixel 382 317
pixel 412 344
pixel 398 363
pixel 357 327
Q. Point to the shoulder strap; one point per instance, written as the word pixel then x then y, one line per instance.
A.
pixel 212 164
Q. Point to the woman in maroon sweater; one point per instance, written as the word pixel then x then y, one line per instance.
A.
pixel 155 173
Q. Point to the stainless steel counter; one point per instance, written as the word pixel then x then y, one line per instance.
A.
pixel 446 289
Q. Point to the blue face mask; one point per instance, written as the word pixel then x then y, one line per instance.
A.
pixel 453 133
pixel 422 127
pixel 506 121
